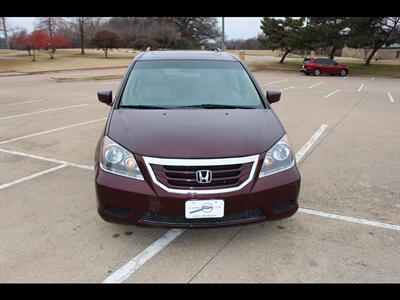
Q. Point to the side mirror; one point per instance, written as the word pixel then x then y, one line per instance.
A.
pixel 273 96
pixel 105 96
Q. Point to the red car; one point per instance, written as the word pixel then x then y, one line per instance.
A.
pixel 192 141
pixel 318 66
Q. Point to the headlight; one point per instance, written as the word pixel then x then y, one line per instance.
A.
pixel 278 158
pixel 117 160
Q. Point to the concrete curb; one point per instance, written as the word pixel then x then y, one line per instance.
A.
pixel 72 79
pixel 6 74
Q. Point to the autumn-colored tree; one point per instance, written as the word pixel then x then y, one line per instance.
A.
pixel 19 40
pixel 58 40
pixel 106 40
pixel 38 39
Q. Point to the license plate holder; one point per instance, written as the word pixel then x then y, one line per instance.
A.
pixel 200 209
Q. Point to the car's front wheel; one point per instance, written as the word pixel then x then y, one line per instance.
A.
pixel 343 72
pixel 317 72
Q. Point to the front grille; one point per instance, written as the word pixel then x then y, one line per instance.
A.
pixel 223 176
pixel 173 219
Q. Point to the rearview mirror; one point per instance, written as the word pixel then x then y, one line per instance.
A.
pixel 273 96
pixel 105 96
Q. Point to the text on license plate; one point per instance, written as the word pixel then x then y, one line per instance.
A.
pixel 212 208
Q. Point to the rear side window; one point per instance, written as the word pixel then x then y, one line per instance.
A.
pixel 321 61
pixel 174 83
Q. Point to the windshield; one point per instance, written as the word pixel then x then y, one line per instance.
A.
pixel 189 83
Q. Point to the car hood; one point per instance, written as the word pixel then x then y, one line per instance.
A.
pixel 195 133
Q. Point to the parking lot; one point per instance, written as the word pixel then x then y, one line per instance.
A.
pixel 346 134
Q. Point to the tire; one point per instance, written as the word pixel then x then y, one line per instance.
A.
pixel 307 73
pixel 317 72
pixel 343 72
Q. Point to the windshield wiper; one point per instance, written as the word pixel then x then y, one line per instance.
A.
pixel 211 106
pixel 143 106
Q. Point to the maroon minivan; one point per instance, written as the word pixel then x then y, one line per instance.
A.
pixel 191 141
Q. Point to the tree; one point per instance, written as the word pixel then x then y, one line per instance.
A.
pixel 197 29
pixel 286 34
pixel 161 30
pixel 51 25
pixel 326 32
pixel 179 43
pixel 81 24
pixel 38 39
pixel 19 40
pixel 239 44
pixel 143 43
pixel 58 40
pixel 373 33
pixel 106 40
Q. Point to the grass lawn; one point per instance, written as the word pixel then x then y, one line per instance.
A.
pixel 20 61
pixel 66 59
pixel 356 67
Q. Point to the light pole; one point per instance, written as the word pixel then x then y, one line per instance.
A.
pixel 5 32
pixel 223 34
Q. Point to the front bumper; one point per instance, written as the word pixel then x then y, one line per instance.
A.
pixel 131 201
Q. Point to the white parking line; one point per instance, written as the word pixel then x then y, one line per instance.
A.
pixel 391 97
pixel 6 185
pixel 50 131
pixel 314 85
pixel 361 86
pixel 288 88
pixel 349 219
pixel 18 103
pixel 345 77
pixel 303 150
pixel 42 111
pixel 334 92
pixel 135 263
pixel 49 159
pixel 275 82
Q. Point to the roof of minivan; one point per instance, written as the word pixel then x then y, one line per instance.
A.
pixel 188 54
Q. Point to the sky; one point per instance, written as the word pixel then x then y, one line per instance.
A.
pixel 235 27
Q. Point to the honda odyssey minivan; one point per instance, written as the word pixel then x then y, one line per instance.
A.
pixel 192 141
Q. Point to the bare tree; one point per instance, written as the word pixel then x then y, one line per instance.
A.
pixel 197 28
pixel 81 24
pixel 51 25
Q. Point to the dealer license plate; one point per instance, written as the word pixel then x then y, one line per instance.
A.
pixel 196 209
